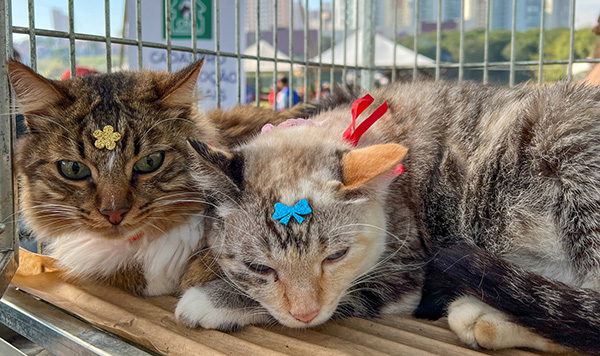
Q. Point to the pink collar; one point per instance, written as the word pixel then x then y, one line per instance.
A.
pixel 136 237
pixel 353 133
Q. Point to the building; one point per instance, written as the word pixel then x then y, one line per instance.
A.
pixel 528 14
pixel 384 17
pixel 267 8
pixel 60 20
pixel 428 10
pixel 475 14
pixel 557 13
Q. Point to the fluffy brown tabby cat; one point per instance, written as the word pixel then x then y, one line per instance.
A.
pixel 513 171
pixel 128 216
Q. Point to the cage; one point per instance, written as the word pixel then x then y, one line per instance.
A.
pixel 248 44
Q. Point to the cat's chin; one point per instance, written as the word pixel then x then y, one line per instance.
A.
pixel 290 322
pixel 120 234
pixel 293 323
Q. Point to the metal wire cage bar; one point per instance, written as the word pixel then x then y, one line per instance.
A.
pixel 8 227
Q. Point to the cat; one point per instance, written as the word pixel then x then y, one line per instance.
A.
pixel 118 208
pixel 510 170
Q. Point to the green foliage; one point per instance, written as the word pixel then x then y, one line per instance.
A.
pixel 527 44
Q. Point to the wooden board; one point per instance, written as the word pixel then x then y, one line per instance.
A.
pixel 150 322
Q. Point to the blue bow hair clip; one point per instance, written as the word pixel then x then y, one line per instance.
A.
pixel 284 213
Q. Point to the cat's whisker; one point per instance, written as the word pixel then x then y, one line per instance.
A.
pixel 20 211
pixel 218 252
pixel 45 118
pixel 374 269
pixel 225 224
pixel 52 133
pixel 235 287
pixel 12 111
pixel 42 203
pixel 52 222
pixel 245 232
pixel 234 201
pixel 156 227
pixel 203 201
pixel 54 232
pixel 189 200
pixel 270 323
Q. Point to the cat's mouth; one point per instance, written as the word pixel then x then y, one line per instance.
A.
pixel 286 319
pixel 291 322
pixel 127 234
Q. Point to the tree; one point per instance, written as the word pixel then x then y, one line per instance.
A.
pixel 556 47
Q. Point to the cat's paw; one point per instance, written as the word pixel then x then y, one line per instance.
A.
pixel 464 318
pixel 479 325
pixel 195 308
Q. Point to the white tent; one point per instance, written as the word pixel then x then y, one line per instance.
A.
pixel 266 50
pixel 384 53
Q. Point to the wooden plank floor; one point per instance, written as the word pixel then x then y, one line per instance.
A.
pixel 151 323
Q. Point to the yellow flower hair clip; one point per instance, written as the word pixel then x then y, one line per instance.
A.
pixel 106 138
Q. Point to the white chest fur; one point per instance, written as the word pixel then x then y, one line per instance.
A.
pixel 163 259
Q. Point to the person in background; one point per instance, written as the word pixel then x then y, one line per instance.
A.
pixel 283 95
pixel 250 94
pixel 16 55
pixel 325 89
pixel 593 77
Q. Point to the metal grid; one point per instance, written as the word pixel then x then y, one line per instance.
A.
pixel 363 26
pixel 8 231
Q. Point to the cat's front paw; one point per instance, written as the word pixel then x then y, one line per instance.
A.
pixel 479 325
pixel 196 308
pixel 463 316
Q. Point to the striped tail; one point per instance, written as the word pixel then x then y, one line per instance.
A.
pixel 566 315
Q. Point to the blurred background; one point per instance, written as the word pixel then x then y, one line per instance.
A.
pixel 318 30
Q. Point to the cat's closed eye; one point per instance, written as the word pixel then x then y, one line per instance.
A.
pixel 73 170
pixel 336 256
pixel 258 268
pixel 150 163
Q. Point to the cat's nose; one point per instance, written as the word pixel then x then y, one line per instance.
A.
pixel 114 216
pixel 307 317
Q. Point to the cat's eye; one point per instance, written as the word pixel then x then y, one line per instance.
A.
pixel 336 256
pixel 73 170
pixel 150 163
pixel 262 269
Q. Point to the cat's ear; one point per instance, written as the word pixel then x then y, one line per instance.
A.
pixel 180 86
pixel 229 164
pixel 35 94
pixel 365 164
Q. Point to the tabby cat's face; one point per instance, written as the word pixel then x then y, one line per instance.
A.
pixel 141 187
pixel 299 272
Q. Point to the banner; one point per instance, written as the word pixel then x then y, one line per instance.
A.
pixel 154 29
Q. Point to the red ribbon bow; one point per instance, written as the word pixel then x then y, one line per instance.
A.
pixel 353 133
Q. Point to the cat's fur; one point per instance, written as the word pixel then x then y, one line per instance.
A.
pixel 514 171
pixel 154 112
pixel 559 312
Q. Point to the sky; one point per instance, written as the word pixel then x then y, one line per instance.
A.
pixel 89 14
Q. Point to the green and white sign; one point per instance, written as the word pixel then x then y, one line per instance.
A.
pixel 181 19
pixel 153 15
